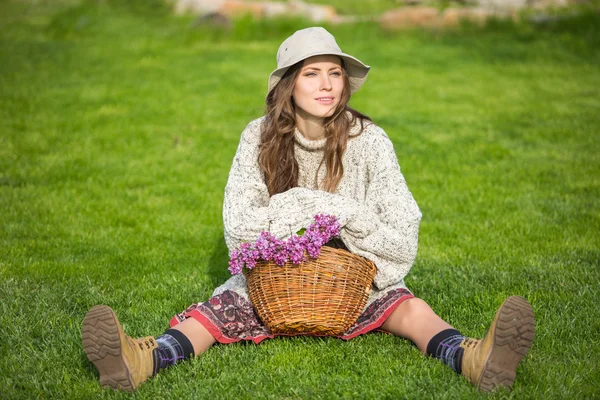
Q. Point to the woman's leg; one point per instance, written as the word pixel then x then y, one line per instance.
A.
pixel 124 362
pixel 487 363
pixel 197 334
pixel 415 320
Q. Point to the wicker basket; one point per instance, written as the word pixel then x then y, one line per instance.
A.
pixel 322 296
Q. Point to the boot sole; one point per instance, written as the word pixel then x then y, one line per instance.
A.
pixel 102 344
pixel 513 337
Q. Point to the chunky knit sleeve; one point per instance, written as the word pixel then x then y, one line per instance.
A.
pixel 247 208
pixel 385 230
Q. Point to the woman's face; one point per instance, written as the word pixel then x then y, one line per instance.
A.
pixel 318 88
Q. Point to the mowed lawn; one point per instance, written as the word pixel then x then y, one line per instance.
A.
pixel 118 125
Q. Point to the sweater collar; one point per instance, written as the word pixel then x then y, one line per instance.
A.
pixel 311 145
pixel 319 144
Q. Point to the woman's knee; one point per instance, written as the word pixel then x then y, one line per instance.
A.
pixel 414 308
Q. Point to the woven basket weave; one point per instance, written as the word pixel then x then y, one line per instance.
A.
pixel 322 296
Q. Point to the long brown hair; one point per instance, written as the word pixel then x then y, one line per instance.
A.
pixel 276 153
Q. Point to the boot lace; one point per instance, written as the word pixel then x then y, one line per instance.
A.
pixel 470 342
pixel 146 343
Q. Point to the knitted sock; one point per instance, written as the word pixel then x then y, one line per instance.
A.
pixel 173 347
pixel 445 346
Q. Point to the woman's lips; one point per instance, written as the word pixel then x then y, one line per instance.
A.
pixel 325 100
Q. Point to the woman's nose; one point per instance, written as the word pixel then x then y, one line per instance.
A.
pixel 325 82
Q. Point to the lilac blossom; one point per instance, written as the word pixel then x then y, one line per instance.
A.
pixel 266 244
pixel 295 249
pixel 235 264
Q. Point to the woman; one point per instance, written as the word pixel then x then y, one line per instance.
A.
pixel 313 154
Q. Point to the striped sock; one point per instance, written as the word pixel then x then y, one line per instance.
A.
pixel 173 347
pixel 445 346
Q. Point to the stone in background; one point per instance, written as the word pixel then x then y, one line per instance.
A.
pixel 259 9
pixel 412 14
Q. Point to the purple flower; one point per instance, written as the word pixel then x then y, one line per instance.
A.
pixel 280 258
pixel 296 248
pixel 279 255
pixel 235 263
pixel 267 247
pixel 249 255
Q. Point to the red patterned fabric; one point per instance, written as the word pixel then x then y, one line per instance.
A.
pixel 231 318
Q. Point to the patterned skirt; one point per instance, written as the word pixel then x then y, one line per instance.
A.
pixel 231 318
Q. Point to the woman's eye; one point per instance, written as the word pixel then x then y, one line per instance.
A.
pixel 310 74
pixel 336 73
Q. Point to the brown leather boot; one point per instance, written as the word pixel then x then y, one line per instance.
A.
pixel 123 362
pixel 493 360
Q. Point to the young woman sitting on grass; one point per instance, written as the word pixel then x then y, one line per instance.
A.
pixel 309 154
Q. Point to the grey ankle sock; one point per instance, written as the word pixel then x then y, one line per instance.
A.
pixel 173 347
pixel 445 346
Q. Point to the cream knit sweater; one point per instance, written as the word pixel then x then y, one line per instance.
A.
pixel 379 217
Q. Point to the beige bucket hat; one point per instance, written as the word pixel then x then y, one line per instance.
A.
pixel 315 41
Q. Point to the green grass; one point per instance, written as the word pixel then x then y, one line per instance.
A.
pixel 118 125
pixel 360 7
